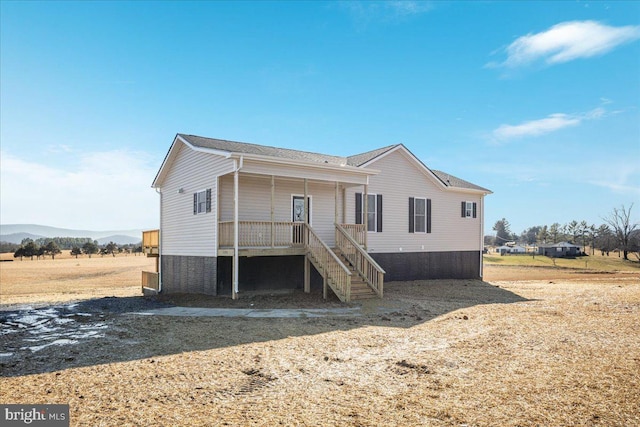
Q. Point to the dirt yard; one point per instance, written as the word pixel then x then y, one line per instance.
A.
pixel 528 346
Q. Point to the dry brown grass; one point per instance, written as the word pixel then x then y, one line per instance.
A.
pixel 67 278
pixel 562 351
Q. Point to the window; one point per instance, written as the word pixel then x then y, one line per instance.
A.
pixel 202 201
pixel 374 211
pixel 371 212
pixel 419 215
pixel 469 209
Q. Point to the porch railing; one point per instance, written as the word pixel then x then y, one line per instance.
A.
pixel 150 242
pixel 150 280
pixel 372 273
pixel 336 274
pixel 262 234
pixel 349 239
pixel 356 231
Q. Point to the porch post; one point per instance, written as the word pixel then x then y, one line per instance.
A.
pixel 236 260
pixel 307 275
pixel 365 210
pixel 273 196
pixel 324 287
pixel 307 269
pixel 335 213
pixel 306 202
pixel 344 205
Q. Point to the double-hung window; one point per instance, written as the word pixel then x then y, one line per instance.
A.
pixel 373 216
pixel 419 215
pixel 469 209
pixel 202 201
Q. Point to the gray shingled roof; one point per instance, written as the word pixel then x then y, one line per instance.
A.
pixel 286 153
pixel 361 159
pixel 263 150
pixel 453 181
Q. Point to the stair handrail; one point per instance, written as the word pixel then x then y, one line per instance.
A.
pixel 337 273
pixel 368 268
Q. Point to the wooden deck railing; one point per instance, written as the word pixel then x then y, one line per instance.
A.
pixel 372 273
pixel 356 231
pixel 336 274
pixel 349 239
pixel 263 234
pixel 150 280
pixel 150 242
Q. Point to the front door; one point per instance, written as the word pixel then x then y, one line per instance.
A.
pixel 297 215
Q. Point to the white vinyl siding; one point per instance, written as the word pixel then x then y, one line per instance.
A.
pixel 184 233
pixel 255 201
pixel 399 179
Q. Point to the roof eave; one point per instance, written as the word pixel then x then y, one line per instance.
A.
pixel 482 191
pixel 326 166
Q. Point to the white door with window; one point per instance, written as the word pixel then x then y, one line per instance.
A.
pixel 297 215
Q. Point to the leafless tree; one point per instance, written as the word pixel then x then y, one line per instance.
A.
pixel 620 222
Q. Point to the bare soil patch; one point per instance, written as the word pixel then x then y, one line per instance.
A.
pixel 558 348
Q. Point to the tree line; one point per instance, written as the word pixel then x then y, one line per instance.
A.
pixel 30 248
pixel 617 232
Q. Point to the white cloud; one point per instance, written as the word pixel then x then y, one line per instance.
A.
pixel 551 123
pixel 105 191
pixel 567 41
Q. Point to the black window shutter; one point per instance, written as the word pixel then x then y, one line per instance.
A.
pixel 195 203
pixel 411 218
pixel 379 212
pixel 208 200
pixel 358 208
pixel 474 209
pixel 464 209
pixel 428 215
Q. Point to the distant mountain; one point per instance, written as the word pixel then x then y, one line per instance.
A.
pixel 14 233
pixel 18 237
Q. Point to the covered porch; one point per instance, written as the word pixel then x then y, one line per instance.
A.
pixel 277 216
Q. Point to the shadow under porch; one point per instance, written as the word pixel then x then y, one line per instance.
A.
pixel 266 273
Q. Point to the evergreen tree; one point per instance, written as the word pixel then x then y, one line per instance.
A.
pixel 503 232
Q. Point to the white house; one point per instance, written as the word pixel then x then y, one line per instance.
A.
pixel 238 217
pixel 514 249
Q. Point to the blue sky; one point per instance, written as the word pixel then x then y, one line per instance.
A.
pixel 537 101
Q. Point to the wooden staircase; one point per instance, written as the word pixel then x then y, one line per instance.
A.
pixel 347 269
pixel 360 290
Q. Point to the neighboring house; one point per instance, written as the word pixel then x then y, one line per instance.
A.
pixel 515 249
pixel 559 250
pixel 238 217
